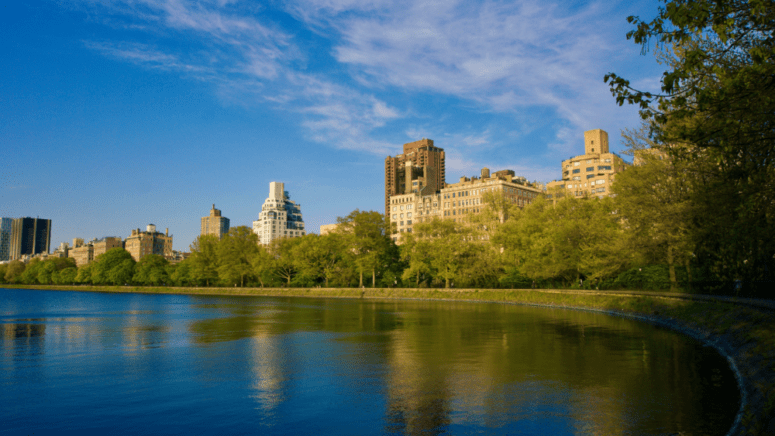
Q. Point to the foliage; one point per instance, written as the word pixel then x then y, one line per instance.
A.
pixel 204 260
pixel 114 267
pixel 716 111
pixel 151 270
pixel 366 235
pixel 235 252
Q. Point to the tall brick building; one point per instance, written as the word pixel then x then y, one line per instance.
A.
pixel 420 169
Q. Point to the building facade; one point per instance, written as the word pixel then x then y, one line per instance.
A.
pixel 85 253
pixel 590 174
pixel 29 236
pixel 215 224
pixel 140 244
pixel 420 168
pixel 82 253
pixel 6 225
pixel 279 217
pixel 458 201
pixel 328 228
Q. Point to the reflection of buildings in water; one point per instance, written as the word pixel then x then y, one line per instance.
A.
pixel 18 341
pixel 417 393
pixel 267 363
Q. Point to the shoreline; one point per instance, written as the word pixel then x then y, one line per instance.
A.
pixel 741 330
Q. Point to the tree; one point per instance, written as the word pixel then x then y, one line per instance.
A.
pixel 67 276
pixel 14 271
pixel 115 266
pixel 717 105
pixel 263 264
pixel 151 271
pixel 235 253
pixel 85 273
pixel 653 198
pixel 283 262
pixel 204 259
pixel 365 233
pixel 182 274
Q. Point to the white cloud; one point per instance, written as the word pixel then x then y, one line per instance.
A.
pixel 506 57
pixel 524 58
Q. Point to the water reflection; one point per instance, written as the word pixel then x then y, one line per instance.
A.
pixel 349 367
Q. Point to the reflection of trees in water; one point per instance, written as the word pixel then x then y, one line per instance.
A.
pixel 488 365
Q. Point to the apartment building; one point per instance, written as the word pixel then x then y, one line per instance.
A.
pixel 215 224
pixel 140 244
pixel 279 217
pixel 590 174
pixel 420 168
pixel 458 201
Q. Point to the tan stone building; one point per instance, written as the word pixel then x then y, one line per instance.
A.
pixel 83 254
pixel 458 201
pixel 420 168
pixel 215 224
pixel 590 174
pixel 328 228
pixel 141 244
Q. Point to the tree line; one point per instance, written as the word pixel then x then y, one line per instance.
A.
pixel 648 235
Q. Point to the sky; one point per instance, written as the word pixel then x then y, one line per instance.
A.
pixel 115 114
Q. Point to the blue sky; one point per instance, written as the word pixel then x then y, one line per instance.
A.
pixel 116 114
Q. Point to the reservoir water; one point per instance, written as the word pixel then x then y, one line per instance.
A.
pixel 97 363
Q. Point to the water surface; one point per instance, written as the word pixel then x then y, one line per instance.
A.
pixel 98 363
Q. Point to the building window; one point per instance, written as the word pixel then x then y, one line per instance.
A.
pixel 576 171
pixel 590 168
pixel 604 167
pixel 409 215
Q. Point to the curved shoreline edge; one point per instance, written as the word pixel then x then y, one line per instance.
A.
pixel 743 332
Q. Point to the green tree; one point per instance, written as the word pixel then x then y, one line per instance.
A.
pixel 84 275
pixel 182 274
pixel 654 199
pixel 151 270
pixel 30 274
pixel 115 267
pixel 204 259
pixel 450 244
pixel 14 271
pixel 235 253
pixel 283 263
pixel 366 235
pixel 67 276
pixel 717 105
pixel 417 252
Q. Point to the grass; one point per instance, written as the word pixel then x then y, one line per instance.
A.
pixel 744 334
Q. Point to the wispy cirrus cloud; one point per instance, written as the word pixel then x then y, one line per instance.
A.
pixel 249 60
pixel 522 58
pixel 504 56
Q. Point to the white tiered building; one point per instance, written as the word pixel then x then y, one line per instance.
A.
pixel 279 217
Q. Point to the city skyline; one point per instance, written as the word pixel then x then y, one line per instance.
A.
pixel 123 114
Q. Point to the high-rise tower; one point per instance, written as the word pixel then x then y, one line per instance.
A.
pixel 30 236
pixel 279 217
pixel 215 224
pixel 419 169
